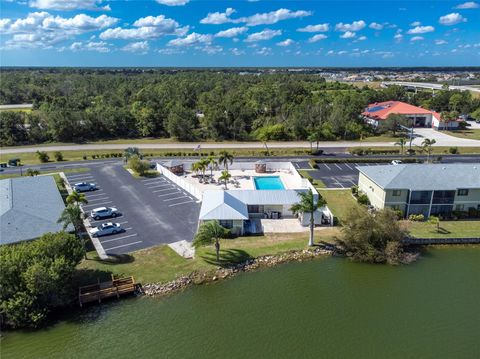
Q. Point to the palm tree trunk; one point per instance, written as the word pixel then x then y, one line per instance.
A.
pixel 312 224
pixel 217 249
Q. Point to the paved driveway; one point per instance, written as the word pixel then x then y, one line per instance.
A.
pixel 154 211
pixel 442 138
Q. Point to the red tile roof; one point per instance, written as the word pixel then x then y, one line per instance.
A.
pixel 381 110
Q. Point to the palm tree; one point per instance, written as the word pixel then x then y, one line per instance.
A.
pixel 208 233
pixel 427 146
pixel 224 158
pixel 76 198
pixel 31 172
pixel 212 163
pixel 72 214
pixel 308 204
pixel 225 177
pixel 401 142
pixel 196 167
pixel 203 165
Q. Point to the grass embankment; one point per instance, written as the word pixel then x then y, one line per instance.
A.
pixel 340 202
pixel 440 150
pixel 448 229
pixel 161 264
pixel 16 175
pixel 469 134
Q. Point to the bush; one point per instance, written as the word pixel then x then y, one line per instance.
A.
pixel 58 156
pixel 43 156
pixel 416 217
pixel 36 277
pixel 363 199
pixel 84 157
pixel 453 150
pixel 354 190
pixel 138 165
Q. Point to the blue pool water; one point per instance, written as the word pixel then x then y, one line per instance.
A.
pixel 270 182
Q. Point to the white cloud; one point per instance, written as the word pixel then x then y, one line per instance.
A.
pixel 317 37
pixel 348 35
pixel 342 52
pixel 468 5
pixel 398 37
pixel 417 38
pixel 285 43
pixel 331 52
pixel 451 19
pixel 149 27
pixel 237 52
pixel 171 51
pixel 232 32
pixel 375 26
pixel 256 19
pixel 191 39
pixel 43 30
pixel 216 18
pixel 66 5
pixel 362 38
pixel 264 51
pixel 315 28
pixel 139 47
pixel 415 23
pixel 173 2
pixel 354 26
pixel 266 34
pixel 421 30
pixel 99 46
pixel 209 49
pixel 440 42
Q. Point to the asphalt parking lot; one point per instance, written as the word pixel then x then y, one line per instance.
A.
pixel 153 211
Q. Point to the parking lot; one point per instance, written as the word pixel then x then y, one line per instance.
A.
pixel 153 211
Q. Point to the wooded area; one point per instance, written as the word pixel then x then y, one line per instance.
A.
pixel 76 105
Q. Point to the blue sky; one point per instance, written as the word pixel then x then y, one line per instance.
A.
pixel 239 33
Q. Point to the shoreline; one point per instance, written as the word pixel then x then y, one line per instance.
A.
pixel 222 273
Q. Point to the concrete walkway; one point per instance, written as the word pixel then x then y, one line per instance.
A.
pixel 183 248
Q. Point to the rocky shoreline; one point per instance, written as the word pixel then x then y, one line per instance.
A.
pixel 197 278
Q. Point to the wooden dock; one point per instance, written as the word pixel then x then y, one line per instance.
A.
pixel 102 290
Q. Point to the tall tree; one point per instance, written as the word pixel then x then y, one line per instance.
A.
pixel 224 158
pixel 76 198
pixel 208 233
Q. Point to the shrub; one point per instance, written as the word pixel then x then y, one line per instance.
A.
pixel 43 156
pixel 356 151
pixel 84 157
pixel 416 217
pixel 363 199
pixel 31 172
pixel 58 156
pixel 354 190
pixel 138 165
pixel 453 150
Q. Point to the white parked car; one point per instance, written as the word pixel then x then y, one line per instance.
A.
pixel 104 212
pixel 106 229
pixel 84 186
pixel 396 162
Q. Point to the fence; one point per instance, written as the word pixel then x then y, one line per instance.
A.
pixel 181 182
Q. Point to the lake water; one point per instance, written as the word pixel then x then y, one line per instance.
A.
pixel 328 308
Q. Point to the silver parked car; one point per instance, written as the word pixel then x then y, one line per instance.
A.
pixel 104 212
pixel 84 186
pixel 106 229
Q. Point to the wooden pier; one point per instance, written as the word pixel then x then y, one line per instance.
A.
pixel 102 290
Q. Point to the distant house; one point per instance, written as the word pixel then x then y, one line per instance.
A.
pixel 428 189
pixel 29 208
pixel 376 113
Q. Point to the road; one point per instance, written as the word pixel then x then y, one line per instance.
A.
pixel 441 138
pixel 431 86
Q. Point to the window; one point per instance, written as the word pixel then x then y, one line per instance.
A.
pixel 443 197
pixel 460 207
pixel 396 192
pixel 226 223
pixel 462 192
pixel 420 197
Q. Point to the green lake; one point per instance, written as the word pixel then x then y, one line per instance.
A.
pixel 327 308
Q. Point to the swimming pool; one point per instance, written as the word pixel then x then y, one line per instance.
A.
pixel 268 182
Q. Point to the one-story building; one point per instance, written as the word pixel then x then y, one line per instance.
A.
pixel 29 208
pixel 378 112
pixel 428 189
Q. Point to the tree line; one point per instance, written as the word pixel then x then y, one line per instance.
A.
pixel 194 105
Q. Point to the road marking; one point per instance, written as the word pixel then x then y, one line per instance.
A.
pixel 105 219
pixel 327 167
pixel 81 179
pixel 173 199
pixel 159 185
pixel 340 168
pixel 346 164
pixel 127 229
pixel 151 179
pixel 118 238
pixel 177 204
pixel 96 195
pixel 123 245
pixel 98 199
pixel 163 190
pixel 80 175
pixel 96 204
pixel 168 194
pixel 296 165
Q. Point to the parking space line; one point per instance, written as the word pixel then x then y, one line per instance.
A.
pixel 129 228
pixel 340 168
pixel 162 190
pixel 80 175
pixel 346 164
pixel 169 194
pixel 123 245
pixel 96 204
pixel 177 204
pixel 154 182
pixel 159 185
pixel 173 199
pixel 96 195
pixel 151 179
pixel 118 238
pixel 98 199
pixel 105 219
pixel 327 167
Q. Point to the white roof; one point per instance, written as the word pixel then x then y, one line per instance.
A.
pixel 221 205
pixel 266 197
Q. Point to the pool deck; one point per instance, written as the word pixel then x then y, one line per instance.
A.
pixel 242 179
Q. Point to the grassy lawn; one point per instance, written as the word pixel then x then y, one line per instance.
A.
pixel 161 264
pixel 381 138
pixel 448 229
pixel 316 182
pixel 73 170
pixel 340 202
pixel 469 134
pixel 440 150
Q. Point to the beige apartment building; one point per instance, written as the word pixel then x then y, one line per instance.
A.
pixel 428 189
